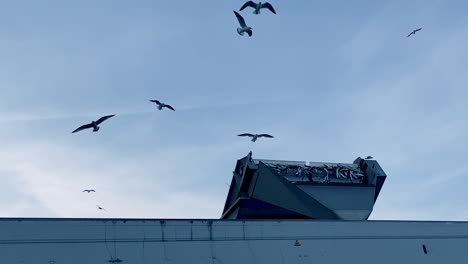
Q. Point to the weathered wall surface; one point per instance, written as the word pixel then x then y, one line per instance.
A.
pixel 57 241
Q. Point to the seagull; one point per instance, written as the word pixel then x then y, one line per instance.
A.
pixel 255 137
pixel 88 191
pixel 100 208
pixel 162 105
pixel 369 157
pixel 414 32
pixel 244 27
pixel 258 7
pixel 93 124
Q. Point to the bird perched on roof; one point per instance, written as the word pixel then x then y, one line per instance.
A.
pixel 369 157
pixel 258 6
pixel 100 208
pixel 244 27
pixel 414 32
pixel 255 137
pixel 162 105
pixel 93 124
pixel 88 191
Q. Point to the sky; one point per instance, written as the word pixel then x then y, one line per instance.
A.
pixel 331 80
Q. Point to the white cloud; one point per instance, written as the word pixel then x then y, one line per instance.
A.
pixel 54 175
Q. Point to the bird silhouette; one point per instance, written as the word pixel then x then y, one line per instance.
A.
pixel 100 208
pixel 88 191
pixel 258 6
pixel 369 157
pixel 93 124
pixel 255 136
pixel 162 105
pixel 414 32
pixel 244 27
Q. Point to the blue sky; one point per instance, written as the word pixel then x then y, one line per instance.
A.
pixel 330 80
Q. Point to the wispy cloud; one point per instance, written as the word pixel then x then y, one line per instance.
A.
pixel 172 184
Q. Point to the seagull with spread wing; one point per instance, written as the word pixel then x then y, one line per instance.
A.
pixel 244 27
pixel 258 6
pixel 162 105
pixel 255 137
pixel 88 191
pixel 93 124
pixel 414 32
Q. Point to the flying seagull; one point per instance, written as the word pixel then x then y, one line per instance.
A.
pixel 244 27
pixel 258 7
pixel 255 137
pixel 162 105
pixel 414 32
pixel 100 208
pixel 93 124
pixel 88 191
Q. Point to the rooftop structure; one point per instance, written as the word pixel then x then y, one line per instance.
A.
pixel 278 190
pixel 272 189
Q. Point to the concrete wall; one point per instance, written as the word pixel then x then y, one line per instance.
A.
pixel 57 241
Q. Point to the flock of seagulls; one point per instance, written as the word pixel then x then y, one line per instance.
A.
pixel 257 7
pixel 244 28
pixel 95 126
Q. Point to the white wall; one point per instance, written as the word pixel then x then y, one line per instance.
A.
pixel 57 241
